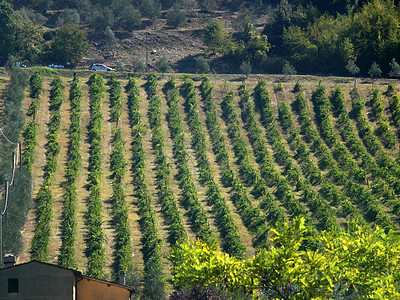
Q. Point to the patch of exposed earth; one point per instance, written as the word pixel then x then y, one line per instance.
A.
pixel 180 46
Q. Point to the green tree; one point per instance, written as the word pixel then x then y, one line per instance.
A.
pixel 20 194
pixel 151 9
pixel 111 41
pixel 43 5
pixel 245 68
pixel 352 68
pixel 176 18
pixel 375 70
pixel 217 39
pixel 28 39
pixel 288 69
pixel 245 15
pixel 302 50
pixel 363 263
pixel 129 18
pixel 7 31
pixel 102 17
pixel 69 44
pixel 137 64
pixel 253 46
pixel 219 269
pixel 202 65
pixel 162 65
pixel 394 69
pixel 375 29
pixel 207 5
pixel 69 16
pixel 34 16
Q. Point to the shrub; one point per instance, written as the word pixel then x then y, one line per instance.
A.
pixel 151 9
pixel 137 64
pixel 202 65
pixel 297 88
pixel 278 87
pixel 245 68
pixel 176 18
pixel 391 88
pixel 208 5
pixel 129 18
pixel 69 16
pixel 216 38
pixel 375 70
pixel 288 69
pixel 162 65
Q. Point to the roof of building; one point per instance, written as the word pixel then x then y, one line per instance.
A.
pixel 76 272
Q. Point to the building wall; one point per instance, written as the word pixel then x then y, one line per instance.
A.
pixel 38 281
pixel 88 289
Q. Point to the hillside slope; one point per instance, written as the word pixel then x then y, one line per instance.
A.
pixel 259 166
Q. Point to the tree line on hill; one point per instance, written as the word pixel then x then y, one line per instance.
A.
pixel 338 37
pixel 14 204
pixel 311 37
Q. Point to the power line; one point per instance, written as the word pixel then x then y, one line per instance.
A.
pixel 13 170
pixel 7 138
pixel 6 200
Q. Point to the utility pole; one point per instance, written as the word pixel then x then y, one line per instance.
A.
pixel 14 166
pixel 1 238
pixel 2 212
pixel 147 55
pixel 20 155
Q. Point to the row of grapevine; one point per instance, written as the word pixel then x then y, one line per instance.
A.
pixel 328 189
pixel 370 140
pixel 154 281
pixel 342 169
pixel 232 243
pixel 352 142
pixel 394 106
pixel 30 131
pixel 383 131
pixel 189 194
pixel 115 92
pixel 337 173
pixel 44 199
pixel 377 108
pixel 177 232
pixel 384 183
pixel 36 88
pixel 30 142
pixel 95 236
pixel 387 165
pixel 68 226
pixel 123 247
pixel 271 175
pixel 324 214
pixel 253 217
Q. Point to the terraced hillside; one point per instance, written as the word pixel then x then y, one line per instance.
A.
pixel 123 169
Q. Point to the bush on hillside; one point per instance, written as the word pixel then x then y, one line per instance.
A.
pixel 176 18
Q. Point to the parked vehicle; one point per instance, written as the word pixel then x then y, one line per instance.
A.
pixel 55 66
pixel 100 67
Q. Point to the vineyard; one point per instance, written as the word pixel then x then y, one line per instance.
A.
pixel 122 169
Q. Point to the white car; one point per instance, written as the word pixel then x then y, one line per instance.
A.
pixel 100 67
pixel 54 66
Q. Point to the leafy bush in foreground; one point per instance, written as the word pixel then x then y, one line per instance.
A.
pixel 356 263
